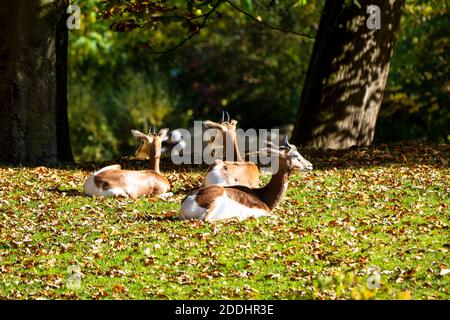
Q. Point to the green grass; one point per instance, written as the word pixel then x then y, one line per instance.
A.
pixel 385 207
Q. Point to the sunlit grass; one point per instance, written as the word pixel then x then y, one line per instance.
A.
pixel 332 228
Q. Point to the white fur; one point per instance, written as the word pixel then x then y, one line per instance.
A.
pixel 112 192
pixel 89 186
pixel 131 185
pixel 191 210
pixel 111 167
pixel 226 208
pixel 215 176
pixel 91 189
pixel 223 208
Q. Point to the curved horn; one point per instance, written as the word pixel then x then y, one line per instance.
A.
pixel 223 116
pixel 286 142
pixel 228 117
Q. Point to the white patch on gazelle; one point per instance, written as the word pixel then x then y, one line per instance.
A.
pixel 191 210
pixel 222 208
pixel 91 189
pixel 112 192
pixel 226 208
pixel 215 176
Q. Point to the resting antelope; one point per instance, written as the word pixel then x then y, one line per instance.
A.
pixel 168 142
pixel 112 181
pixel 217 202
pixel 230 173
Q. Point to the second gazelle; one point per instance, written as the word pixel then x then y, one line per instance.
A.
pixel 234 171
pixel 218 203
pixel 112 181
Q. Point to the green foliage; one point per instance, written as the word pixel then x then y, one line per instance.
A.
pixel 417 97
pixel 114 86
pixel 232 60
pixel 233 63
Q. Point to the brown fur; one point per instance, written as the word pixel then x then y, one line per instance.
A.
pixel 146 181
pixel 205 196
pixel 246 197
pixel 143 151
pixel 240 173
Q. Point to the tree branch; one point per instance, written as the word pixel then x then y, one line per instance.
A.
pixel 267 24
pixel 191 35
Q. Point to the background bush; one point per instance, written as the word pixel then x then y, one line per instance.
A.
pixel 116 83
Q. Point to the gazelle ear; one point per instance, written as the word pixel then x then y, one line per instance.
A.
pixel 139 134
pixel 234 122
pixel 213 125
pixel 163 132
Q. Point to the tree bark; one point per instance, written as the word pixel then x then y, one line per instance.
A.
pixel 32 92
pixel 62 118
pixel 347 75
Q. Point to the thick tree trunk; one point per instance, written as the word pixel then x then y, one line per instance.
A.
pixel 33 103
pixel 347 75
pixel 62 119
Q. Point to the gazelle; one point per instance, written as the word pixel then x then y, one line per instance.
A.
pixel 112 181
pixel 217 202
pixel 235 172
pixel 171 139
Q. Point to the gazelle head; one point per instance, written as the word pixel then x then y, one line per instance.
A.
pixel 150 143
pixel 228 126
pixel 225 135
pixel 292 158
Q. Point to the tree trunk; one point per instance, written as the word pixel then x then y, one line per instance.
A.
pixel 347 75
pixel 32 90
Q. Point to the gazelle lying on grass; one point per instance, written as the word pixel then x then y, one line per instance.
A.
pixel 112 181
pixel 235 172
pixel 217 203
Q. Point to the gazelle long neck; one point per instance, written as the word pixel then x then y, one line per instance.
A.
pixel 272 193
pixel 154 157
pixel 231 139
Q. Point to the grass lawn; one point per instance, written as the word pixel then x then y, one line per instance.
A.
pixel 370 223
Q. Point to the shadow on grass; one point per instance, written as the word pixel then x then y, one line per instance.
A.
pixel 158 218
pixel 402 154
pixel 399 154
pixel 67 192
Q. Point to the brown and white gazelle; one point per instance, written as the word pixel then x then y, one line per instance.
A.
pixel 235 172
pixel 112 181
pixel 217 202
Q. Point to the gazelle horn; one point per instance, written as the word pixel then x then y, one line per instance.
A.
pixel 228 117
pixel 286 142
